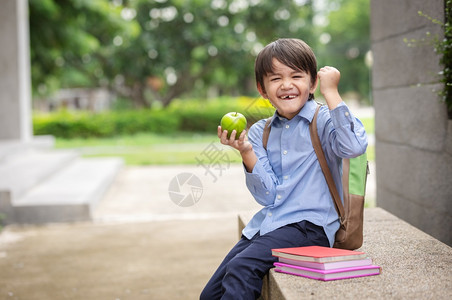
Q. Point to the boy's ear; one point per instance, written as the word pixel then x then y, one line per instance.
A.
pixel 314 86
pixel 262 91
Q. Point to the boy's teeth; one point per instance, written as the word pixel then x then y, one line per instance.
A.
pixel 288 97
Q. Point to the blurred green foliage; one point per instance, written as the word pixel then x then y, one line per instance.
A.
pixel 154 51
pixel 349 47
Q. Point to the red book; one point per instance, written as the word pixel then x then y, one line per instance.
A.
pixel 318 254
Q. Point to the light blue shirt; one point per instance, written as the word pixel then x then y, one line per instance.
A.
pixel 287 179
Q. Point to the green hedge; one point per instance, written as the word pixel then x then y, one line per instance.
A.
pixel 83 124
pixel 182 115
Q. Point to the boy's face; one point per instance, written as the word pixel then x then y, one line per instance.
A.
pixel 287 89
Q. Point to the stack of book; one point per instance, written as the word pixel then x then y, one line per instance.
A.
pixel 323 263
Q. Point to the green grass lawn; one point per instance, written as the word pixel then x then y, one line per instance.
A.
pixel 152 149
pixel 172 149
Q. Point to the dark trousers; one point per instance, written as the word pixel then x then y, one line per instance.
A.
pixel 240 274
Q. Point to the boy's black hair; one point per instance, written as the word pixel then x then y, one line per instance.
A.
pixel 293 53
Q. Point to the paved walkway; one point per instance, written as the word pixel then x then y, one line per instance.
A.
pixel 141 245
pixel 142 194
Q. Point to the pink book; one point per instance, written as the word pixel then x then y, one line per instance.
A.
pixel 327 275
pixel 327 265
pixel 318 254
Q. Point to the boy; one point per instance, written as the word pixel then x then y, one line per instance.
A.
pixel 286 179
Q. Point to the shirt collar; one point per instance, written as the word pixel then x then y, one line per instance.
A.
pixel 307 112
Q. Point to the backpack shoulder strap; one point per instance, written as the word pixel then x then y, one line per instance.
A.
pixel 324 165
pixel 266 133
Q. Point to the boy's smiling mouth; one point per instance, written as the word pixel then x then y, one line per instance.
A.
pixel 288 96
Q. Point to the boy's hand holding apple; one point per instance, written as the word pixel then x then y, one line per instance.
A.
pixel 232 132
pixel 233 121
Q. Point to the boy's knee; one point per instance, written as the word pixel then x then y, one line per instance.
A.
pixel 211 291
pixel 205 295
pixel 243 279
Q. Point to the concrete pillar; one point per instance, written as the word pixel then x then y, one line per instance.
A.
pixel 15 80
pixel 413 134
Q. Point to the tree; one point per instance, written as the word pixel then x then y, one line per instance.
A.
pixel 158 50
pixel 71 40
pixel 187 46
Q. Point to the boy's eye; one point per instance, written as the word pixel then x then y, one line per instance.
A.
pixel 274 78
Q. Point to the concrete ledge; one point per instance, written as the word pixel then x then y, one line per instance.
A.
pixel 414 265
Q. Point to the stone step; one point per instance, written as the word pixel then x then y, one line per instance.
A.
pixel 13 147
pixel 69 195
pixel 25 169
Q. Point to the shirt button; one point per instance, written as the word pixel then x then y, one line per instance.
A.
pixel 269 214
pixel 267 192
pixel 279 197
pixel 285 152
pixel 285 177
pixel 287 126
pixel 347 113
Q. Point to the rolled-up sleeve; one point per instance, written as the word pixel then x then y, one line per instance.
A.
pixel 346 133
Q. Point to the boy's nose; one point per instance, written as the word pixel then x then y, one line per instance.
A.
pixel 286 84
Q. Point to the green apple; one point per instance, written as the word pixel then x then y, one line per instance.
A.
pixel 231 121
